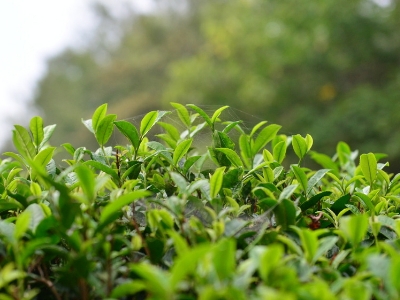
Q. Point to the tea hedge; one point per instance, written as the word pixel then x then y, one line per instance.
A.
pixel 166 215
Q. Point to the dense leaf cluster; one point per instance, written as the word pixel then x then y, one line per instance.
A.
pixel 167 217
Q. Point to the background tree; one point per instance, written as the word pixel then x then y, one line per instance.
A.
pixel 327 68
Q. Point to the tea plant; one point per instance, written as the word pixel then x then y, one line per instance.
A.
pixel 166 217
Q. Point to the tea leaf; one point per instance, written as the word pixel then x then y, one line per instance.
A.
pixel 87 181
pixel 314 200
pixel 98 116
pixel 216 182
pixel 354 227
pixel 112 210
pixel 315 179
pixel 299 146
pixel 265 136
pixel 44 156
pixel 36 127
pixel 22 224
pixel 217 113
pixel 202 114
pixel 102 167
pixel 368 166
pixel 288 191
pixel 22 142
pixel 183 113
pixel 285 213
pixel 279 151
pixel 181 150
pixel 104 129
pixel 48 132
pixel 232 156
pixel 301 177
pixel 129 131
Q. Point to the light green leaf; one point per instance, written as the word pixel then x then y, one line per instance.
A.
pixel 36 127
pixel 87 182
pixel 315 179
pixel 98 116
pixel 37 215
pixel 129 287
pixel 129 131
pixel 171 130
pixel 285 213
pixel 367 202
pixel 232 156
pixel 325 161
pixel 148 122
pixel 23 143
pixel 288 191
pixel 102 167
pixel 181 150
pixel 48 132
pixel 157 281
pixel 112 210
pixel 343 151
pixel 179 181
pixel 22 224
pixel 301 177
pixel 216 182
pixel 299 146
pixel 309 142
pixel 203 115
pixel 44 156
pixel 354 227
pixel 257 126
pixel 265 136
pixel 217 113
pixel 309 242
pixel 369 166
pixel 104 129
pixel 183 113
pixel 88 125
pixel 279 151
pixel 224 260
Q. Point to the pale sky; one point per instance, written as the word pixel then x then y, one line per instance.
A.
pixel 30 32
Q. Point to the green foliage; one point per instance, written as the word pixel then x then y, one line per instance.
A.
pixel 163 217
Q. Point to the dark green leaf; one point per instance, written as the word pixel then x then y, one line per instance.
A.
pixel 314 200
pixel 340 204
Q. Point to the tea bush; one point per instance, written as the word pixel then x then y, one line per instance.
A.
pixel 168 216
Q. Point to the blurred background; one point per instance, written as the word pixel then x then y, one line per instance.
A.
pixel 329 68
